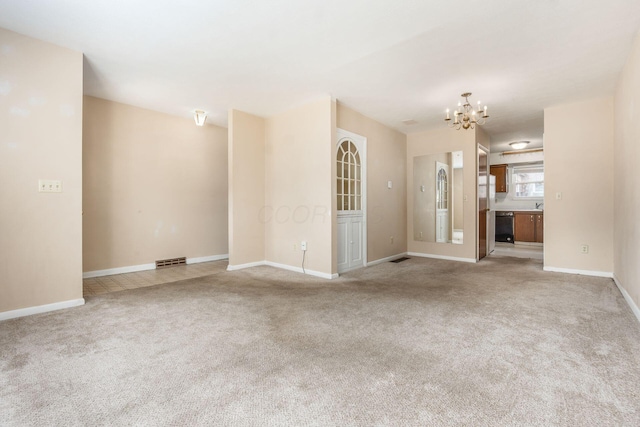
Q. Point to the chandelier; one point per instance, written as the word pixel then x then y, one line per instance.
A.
pixel 465 116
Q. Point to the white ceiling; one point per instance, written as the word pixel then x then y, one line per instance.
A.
pixel 390 60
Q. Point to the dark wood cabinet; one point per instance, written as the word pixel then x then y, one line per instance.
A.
pixel 539 228
pixel 528 227
pixel 500 172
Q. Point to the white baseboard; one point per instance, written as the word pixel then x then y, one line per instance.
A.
pixel 118 270
pixel 207 258
pixel 386 259
pixel 243 266
pixel 448 258
pixel 582 272
pixel 627 297
pixel 299 270
pixel 41 309
pixel 283 267
pixel 145 267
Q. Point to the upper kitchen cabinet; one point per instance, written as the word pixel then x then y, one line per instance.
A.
pixel 500 172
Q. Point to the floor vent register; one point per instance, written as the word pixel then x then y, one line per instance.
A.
pixel 171 262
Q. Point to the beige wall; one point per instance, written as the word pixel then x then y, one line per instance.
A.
pixel 626 152
pixel 386 161
pixel 40 138
pixel 579 164
pixel 155 186
pixel 441 141
pixel 246 188
pixel 298 186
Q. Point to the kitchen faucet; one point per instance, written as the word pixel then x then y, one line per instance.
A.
pixel 539 205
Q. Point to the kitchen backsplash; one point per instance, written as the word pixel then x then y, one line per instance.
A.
pixel 505 202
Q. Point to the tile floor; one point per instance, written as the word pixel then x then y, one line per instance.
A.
pixel 120 282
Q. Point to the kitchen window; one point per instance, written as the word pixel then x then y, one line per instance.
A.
pixel 528 181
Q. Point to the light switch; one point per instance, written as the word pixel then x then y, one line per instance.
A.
pixel 49 186
pixel 389 184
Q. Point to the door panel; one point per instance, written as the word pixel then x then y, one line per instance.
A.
pixel 540 228
pixel 356 242
pixel 343 243
pixel 524 227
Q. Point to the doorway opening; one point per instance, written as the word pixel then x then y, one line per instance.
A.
pixel 483 202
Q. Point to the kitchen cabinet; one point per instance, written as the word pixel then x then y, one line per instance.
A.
pixel 500 172
pixel 528 227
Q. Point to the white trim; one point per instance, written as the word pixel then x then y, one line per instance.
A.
pixel 118 270
pixel 21 312
pixel 449 258
pixel 387 259
pixel 299 270
pixel 243 266
pixel 145 267
pixel 487 153
pixel 283 267
pixel 207 258
pixel 582 272
pixel 627 297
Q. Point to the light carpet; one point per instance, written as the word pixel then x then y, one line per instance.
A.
pixel 421 342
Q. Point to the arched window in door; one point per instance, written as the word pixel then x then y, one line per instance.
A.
pixel 349 189
pixel 441 195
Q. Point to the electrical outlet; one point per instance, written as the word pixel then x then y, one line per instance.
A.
pixel 295 246
pixel 558 196
pixel 391 239
pixel 584 249
pixel 303 245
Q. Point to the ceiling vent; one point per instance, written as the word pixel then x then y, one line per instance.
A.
pixel 409 122
pixel 171 262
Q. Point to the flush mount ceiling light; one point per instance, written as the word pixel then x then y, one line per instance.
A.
pixel 518 145
pixel 200 117
pixel 465 117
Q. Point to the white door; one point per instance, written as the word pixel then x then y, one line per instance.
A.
pixel 351 200
pixel 442 202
